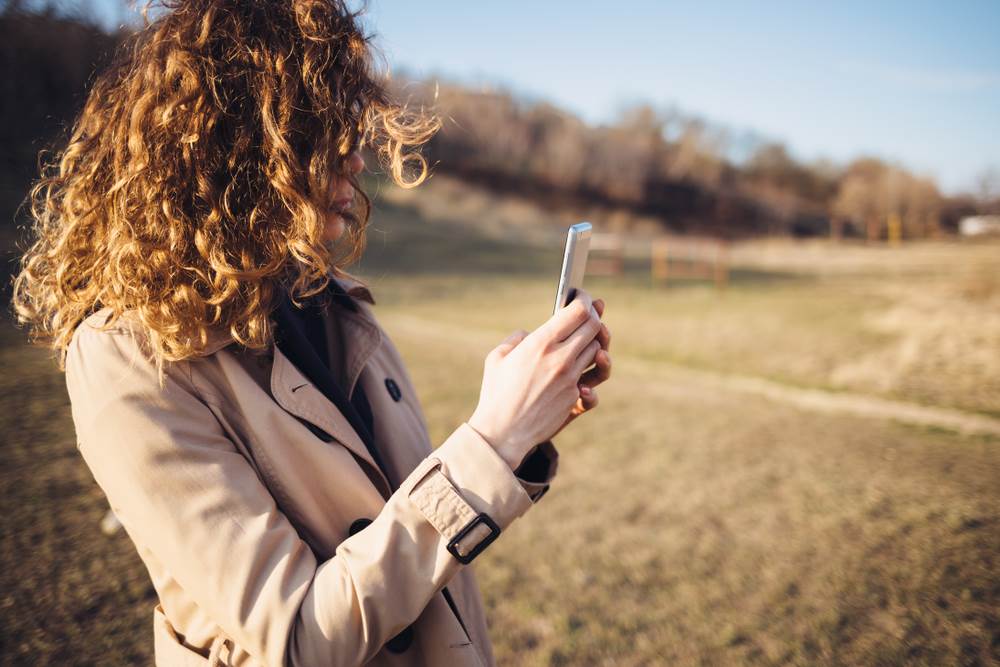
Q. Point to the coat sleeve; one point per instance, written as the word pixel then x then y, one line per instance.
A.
pixel 183 491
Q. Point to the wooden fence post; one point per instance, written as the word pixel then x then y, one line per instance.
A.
pixel 895 229
pixel 873 228
pixel 660 259
pixel 836 228
pixel 694 258
pixel 721 265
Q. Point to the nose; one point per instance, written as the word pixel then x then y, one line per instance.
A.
pixel 355 162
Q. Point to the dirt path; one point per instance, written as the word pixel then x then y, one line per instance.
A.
pixel 808 399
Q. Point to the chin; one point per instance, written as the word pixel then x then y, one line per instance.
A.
pixel 334 231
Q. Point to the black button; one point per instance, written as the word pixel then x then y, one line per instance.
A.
pixel 402 641
pixel 393 388
pixel 359 524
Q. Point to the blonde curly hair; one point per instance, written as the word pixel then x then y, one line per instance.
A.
pixel 195 182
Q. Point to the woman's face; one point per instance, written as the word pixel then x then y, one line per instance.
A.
pixel 343 198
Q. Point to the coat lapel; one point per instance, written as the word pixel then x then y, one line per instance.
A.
pixel 296 394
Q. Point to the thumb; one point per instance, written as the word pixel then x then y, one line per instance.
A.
pixel 511 341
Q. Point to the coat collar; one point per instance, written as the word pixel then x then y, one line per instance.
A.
pixel 218 337
pixel 292 390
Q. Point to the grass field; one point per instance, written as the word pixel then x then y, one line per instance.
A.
pixel 693 521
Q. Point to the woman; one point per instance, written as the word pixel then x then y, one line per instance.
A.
pixel 250 422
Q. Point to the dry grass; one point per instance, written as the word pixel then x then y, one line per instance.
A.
pixel 695 527
pixel 70 596
pixel 688 525
pixel 920 323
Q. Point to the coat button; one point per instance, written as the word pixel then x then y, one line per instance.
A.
pixel 393 388
pixel 400 642
pixel 359 524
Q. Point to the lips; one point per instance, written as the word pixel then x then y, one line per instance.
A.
pixel 343 203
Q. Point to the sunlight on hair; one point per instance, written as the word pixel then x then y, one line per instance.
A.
pixel 193 186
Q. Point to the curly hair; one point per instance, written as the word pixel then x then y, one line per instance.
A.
pixel 195 182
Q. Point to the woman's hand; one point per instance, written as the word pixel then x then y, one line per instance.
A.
pixel 534 384
pixel 599 373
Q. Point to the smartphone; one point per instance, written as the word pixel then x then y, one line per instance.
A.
pixel 574 264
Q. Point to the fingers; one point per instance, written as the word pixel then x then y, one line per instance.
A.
pixel 589 327
pixel 600 372
pixel 590 330
pixel 586 358
pixel 568 319
pixel 604 336
pixel 588 398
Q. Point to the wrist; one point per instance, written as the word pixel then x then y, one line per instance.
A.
pixel 503 452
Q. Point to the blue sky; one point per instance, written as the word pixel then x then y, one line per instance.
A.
pixel 916 82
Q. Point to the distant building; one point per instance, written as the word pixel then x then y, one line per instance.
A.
pixel 979 225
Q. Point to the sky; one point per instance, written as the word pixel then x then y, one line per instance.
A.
pixel 914 82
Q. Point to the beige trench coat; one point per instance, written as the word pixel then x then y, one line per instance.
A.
pixel 239 484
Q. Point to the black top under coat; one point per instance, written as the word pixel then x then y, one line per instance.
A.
pixel 301 336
